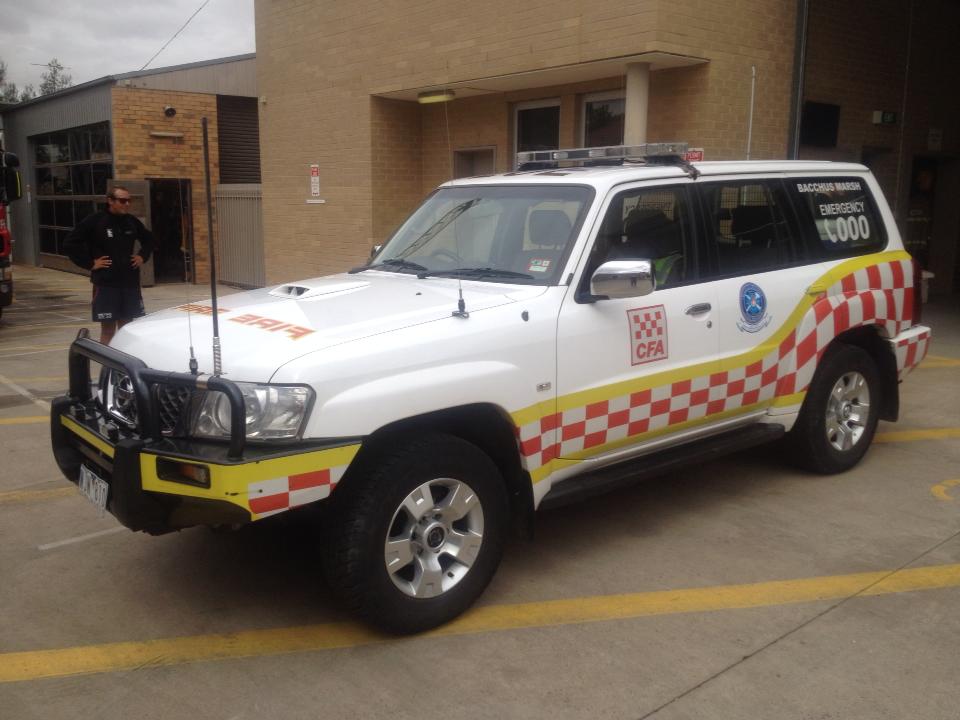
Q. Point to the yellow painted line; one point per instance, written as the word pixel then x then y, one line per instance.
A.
pixel 17 496
pixel 912 435
pixel 931 362
pixel 942 490
pixel 115 657
pixel 34 347
pixel 39 378
pixel 25 420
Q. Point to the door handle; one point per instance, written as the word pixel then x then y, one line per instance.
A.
pixel 698 309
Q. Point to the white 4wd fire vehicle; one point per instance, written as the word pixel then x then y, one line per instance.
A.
pixel 522 340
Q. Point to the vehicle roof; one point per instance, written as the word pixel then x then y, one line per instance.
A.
pixel 610 175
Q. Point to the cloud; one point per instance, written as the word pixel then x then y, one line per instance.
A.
pixel 108 38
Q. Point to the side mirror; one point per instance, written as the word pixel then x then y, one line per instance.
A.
pixel 623 279
pixel 374 250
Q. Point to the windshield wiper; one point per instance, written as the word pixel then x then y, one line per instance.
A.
pixel 477 273
pixel 390 263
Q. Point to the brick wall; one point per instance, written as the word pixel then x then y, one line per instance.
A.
pixel 137 155
pixel 320 67
pixel 860 76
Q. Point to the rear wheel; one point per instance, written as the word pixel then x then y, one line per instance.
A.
pixel 839 416
pixel 413 542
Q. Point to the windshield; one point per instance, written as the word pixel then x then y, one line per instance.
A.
pixel 502 233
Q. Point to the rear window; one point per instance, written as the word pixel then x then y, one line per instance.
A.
pixel 841 214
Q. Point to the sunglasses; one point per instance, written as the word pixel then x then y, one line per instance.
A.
pixel 122 201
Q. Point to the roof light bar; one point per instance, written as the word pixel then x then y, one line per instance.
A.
pixel 610 152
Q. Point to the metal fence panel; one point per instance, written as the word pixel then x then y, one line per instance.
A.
pixel 240 235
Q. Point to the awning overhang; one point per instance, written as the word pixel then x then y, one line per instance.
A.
pixel 547 77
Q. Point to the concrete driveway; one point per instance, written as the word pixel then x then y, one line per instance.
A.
pixel 740 589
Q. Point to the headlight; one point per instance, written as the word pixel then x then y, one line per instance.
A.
pixel 274 412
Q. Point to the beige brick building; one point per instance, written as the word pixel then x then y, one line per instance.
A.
pixel 143 130
pixel 339 85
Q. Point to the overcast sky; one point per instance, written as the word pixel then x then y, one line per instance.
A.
pixel 98 38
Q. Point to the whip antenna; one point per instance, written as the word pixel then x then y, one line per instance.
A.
pixel 194 368
pixel 217 367
pixel 461 311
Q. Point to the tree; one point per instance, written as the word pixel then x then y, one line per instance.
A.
pixel 54 78
pixel 9 93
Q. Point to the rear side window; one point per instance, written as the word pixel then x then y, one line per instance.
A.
pixel 747 227
pixel 840 215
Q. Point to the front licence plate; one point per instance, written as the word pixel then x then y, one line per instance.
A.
pixel 93 488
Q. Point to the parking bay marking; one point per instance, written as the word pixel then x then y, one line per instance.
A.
pixel 25 393
pixel 115 657
pixel 18 496
pixel 911 435
pixel 942 490
pixel 939 361
pixel 25 420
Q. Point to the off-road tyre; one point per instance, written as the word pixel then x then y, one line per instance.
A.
pixel 368 505
pixel 848 372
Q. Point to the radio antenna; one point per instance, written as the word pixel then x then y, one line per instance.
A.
pixel 461 311
pixel 217 365
pixel 194 367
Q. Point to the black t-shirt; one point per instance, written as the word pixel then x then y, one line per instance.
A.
pixel 104 233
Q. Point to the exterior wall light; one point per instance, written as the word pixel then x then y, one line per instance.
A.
pixel 435 96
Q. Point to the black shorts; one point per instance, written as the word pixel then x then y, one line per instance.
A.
pixel 111 304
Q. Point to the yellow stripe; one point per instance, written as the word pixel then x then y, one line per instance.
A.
pixel 94 440
pixel 26 420
pixel 232 482
pixel 15 496
pixel 533 413
pixel 113 657
pixel 911 435
pixel 645 382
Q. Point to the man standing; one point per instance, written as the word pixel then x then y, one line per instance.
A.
pixel 104 244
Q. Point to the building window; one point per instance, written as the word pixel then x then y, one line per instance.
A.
pixel 474 162
pixel 602 119
pixel 72 169
pixel 819 124
pixel 537 126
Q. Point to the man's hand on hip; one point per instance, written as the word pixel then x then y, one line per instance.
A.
pixel 136 261
pixel 101 262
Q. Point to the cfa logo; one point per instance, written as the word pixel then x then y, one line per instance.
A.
pixel 648 334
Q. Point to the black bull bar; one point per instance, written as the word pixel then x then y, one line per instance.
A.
pixel 144 381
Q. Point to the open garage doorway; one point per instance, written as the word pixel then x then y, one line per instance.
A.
pixel 172 225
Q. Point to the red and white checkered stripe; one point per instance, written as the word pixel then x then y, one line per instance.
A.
pixel 880 294
pixel 269 497
pixel 911 351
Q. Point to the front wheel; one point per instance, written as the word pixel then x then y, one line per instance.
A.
pixel 839 416
pixel 415 540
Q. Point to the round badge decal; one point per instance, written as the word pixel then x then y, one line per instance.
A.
pixel 753 308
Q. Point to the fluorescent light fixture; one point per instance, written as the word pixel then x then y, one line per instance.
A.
pixel 435 96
